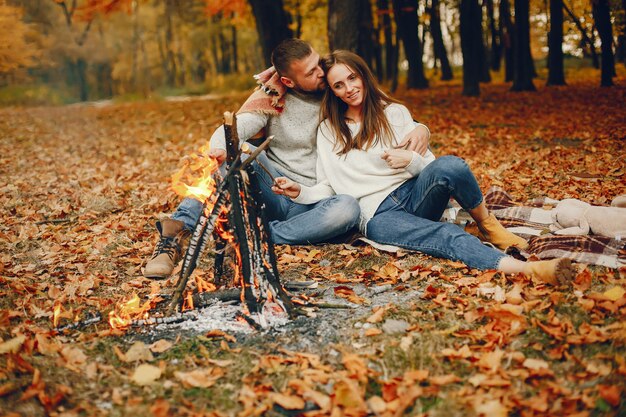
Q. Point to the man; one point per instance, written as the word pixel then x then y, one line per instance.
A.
pixel 287 107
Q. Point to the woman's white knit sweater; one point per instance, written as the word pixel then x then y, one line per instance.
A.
pixel 362 174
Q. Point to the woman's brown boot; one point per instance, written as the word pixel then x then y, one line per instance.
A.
pixel 492 231
pixel 553 272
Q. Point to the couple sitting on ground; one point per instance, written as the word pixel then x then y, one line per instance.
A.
pixel 367 164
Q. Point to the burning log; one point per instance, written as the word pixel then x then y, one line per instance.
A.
pixel 205 226
pixel 240 195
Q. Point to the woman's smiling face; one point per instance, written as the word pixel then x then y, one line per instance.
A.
pixel 347 85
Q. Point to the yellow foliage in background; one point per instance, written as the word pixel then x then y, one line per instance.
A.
pixel 16 47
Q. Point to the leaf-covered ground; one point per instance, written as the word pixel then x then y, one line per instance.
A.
pixel 81 187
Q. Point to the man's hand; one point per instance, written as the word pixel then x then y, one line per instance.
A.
pixel 397 158
pixel 416 140
pixel 285 186
pixel 218 154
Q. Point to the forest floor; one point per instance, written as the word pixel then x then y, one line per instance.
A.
pixel 81 187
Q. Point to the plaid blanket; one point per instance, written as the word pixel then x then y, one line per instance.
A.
pixel 532 222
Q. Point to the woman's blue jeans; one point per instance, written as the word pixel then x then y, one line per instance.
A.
pixel 290 223
pixel 409 216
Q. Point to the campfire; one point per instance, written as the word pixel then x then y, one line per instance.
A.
pixel 233 215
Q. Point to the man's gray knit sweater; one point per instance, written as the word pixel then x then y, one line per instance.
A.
pixel 293 149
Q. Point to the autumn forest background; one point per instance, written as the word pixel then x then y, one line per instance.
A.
pixel 63 51
pixel 102 101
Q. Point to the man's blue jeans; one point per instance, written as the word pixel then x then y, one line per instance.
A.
pixel 409 216
pixel 290 223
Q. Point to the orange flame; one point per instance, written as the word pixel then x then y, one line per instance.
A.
pixel 204 285
pixel 198 171
pixel 127 311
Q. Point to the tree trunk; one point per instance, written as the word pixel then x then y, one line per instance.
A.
pixel 233 33
pixel 483 59
pixel 81 74
pixel 384 13
pixel 523 66
pixel 407 23
pixel 343 24
pixel 508 35
pixel 602 17
pixel 438 45
pixel 496 49
pixel 620 51
pixel 271 24
pixel 169 40
pixel 367 43
pixel 471 40
pixel 556 75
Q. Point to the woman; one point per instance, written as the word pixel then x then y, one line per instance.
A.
pixel 402 194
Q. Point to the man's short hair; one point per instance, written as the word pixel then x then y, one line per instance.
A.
pixel 288 51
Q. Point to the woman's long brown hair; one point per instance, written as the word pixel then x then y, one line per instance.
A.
pixel 374 123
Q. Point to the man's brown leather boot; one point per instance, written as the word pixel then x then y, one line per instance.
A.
pixel 169 249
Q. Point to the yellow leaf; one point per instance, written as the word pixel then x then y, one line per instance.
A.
pixel 12 345
pixel 146 374
pixel 614 293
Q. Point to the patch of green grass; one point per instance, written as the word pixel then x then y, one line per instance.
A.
pixel 219 397
pixel 33 95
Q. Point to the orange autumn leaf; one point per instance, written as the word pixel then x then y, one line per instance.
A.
pixel 612 394
pixel 288 402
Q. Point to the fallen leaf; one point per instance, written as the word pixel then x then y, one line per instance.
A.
pixel 492 408
pixel 535 364
pixel 146 374
pixel 74 357
pixel 611 394
pixel 614 293
pixel 220 333
pixel 444 379
pixel 348 396
pixel 161 346
pixel 288 402
pixel 138 352
pixel 463 353
pixel 201 378
pixel 220 363
pixel 377 317
pixel 160 408
pixel 372 331
pixel 12 345
pixel 376 405
pixel 490 361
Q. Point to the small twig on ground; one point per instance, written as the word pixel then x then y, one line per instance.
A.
pixel 97 318
pixel 55 221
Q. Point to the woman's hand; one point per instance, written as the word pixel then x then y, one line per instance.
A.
pixel 416 140
pixel 397 158
pixel 285 186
